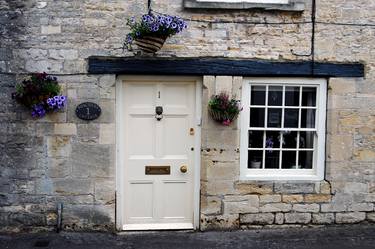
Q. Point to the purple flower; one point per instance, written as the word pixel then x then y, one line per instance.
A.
pixel 38 111
pixel 57 102
pixel 129 38
pixel 174 25
pixel 269 143
pixel 168 19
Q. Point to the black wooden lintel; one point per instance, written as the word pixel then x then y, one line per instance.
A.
pixel 221 66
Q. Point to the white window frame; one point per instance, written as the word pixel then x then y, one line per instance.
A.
pixel 248 1
pixel 315 174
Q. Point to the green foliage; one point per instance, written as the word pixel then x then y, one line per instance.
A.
pixel 36 89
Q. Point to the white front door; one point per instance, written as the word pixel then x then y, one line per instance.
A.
pixel 156 151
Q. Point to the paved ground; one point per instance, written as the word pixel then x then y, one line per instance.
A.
pixel 361 237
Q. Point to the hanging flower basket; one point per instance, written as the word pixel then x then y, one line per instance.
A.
pixel 222 109
pixel 41 94
pixel 150 33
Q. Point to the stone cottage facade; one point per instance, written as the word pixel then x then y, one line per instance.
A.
pixel 63 159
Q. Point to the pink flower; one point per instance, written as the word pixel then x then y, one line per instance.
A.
pixel 226 122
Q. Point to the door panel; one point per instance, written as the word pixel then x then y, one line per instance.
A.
pixel 161 201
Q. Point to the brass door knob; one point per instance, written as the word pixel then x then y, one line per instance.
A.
pixel 183 168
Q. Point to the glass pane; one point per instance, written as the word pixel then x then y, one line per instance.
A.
pixel 289 160
pixel 305 159
pixel 275 95
pixel 306 140
pixel 258 95
pixel 309 96
pixel 291 118
pixel 274 117
pixel 292 96
pixel 290 139
pixel 255 159
pixel 273 139
pixel 256 139
pixel 257 117
pixel 272 159
pixel 308 118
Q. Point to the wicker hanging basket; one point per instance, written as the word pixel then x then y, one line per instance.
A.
pixel 221 116
pixel 150 44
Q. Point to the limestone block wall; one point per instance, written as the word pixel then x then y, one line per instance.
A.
pixel 345 196
pixel 63 159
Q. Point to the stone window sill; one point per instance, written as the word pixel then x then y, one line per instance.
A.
pixel 293 5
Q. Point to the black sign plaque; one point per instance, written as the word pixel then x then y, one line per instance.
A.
pixel 88 111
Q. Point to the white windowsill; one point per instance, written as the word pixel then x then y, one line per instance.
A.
pixel 248 1
pixel 282 5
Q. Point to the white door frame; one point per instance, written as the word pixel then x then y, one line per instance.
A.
pixel 120 196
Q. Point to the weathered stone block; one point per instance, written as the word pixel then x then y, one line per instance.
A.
pixel 327 218
pixel 254 188
pixel 295 188
pixel 89 160
pixel 342 86
pixel 73 186
pixel 340 148
pixel 211 205
pixel 279 218
pixel 353 217
pixel 275 207
pixel 269 198
pixel 325 187
pixel 334 207
pixel 370 197
pixel 371 217
pixel 292 198
pixel 59 167
pixel 220 187
pixel 219 222
pixel 306 208
pixel 88 133
pixel 66 129
pixel 44 66
pixel 59 146
pixel 104 191
pixel 297 218
pixel 63 54
pixel 257 219
pixel 49 29
pixel 107 134
pixel 361 207
pixel 241 204
pixel 317 198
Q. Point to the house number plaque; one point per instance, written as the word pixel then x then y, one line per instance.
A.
pixel 88 111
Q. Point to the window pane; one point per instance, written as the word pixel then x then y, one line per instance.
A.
pixel 257 117
pixel 305 159
pixel 291 118
pixel 306 140
pixel 273 139
pixel 275 95
pixel 274 117
pixel 308 118
pixel 258 95
pixel 256 139
pixel 255 159
pixel 272 159
pixel 290 139
pixel 289 160
pixel 309 96
pixel 292 96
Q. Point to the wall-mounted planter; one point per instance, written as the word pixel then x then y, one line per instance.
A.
pixel 150 44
